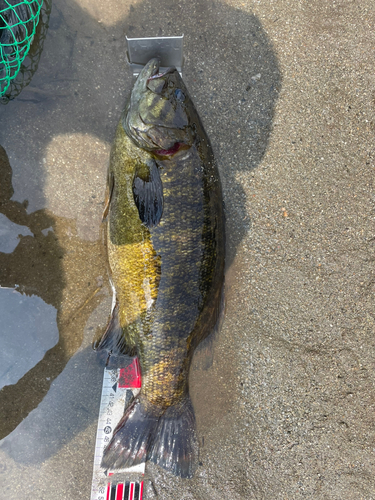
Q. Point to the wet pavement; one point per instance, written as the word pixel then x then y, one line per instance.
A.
pixel 285 410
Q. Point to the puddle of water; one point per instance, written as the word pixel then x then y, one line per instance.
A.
pixel 29 330
pixel 52 280
pixel 10 234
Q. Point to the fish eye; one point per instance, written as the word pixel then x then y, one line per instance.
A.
pixel 180 96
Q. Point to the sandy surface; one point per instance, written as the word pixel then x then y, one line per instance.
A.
pixel 286 92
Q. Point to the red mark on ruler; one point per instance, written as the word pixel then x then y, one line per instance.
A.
pixel 120 491
pixel 130 377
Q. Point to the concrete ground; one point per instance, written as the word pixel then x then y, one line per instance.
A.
pixel 286 92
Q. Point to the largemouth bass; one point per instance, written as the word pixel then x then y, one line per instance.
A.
pixel 165 239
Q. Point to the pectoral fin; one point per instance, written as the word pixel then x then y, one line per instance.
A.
pixel 148 193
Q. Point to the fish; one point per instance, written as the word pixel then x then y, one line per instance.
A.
pixel 166 253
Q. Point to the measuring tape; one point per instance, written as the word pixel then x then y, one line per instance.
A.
pixel 120 386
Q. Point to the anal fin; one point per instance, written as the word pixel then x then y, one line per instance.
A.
pixel 113 339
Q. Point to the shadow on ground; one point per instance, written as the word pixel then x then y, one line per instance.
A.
pixel 80 88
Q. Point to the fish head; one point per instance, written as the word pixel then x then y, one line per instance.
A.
pixel 158 116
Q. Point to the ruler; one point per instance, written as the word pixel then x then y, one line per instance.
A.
pixel 120 385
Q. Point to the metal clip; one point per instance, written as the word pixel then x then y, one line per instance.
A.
pixel 167 48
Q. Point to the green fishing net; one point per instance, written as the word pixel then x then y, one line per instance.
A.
pixel 18 25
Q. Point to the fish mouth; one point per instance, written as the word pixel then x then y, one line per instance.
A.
pixel 160 74
pixel 151 70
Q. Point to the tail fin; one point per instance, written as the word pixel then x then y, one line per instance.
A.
pixel 175 446
pixel 146 433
